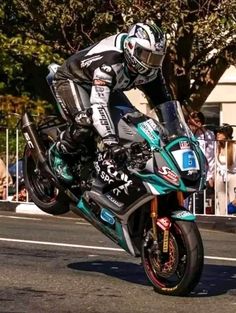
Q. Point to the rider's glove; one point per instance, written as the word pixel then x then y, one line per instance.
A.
pixel 113 150
pixel 117 153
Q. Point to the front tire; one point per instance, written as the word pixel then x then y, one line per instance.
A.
pixel 177 272
pixel 41 190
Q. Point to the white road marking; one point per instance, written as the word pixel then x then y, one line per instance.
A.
pixel 83 223
pixel 47 243
pixel 21 217
pixel 40 219
pixel 67 218
pixel 220 258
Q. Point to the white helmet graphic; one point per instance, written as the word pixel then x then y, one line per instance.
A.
pixel 144 47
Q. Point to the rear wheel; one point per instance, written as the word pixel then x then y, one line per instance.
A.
pixel 177 272
pixel 41 190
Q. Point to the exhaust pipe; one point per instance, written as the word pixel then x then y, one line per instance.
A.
pixel 36 147
pixel 33 141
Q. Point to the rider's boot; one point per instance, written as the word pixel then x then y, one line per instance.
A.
pixel 67 146
pixel 58 163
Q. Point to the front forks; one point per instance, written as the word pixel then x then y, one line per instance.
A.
pixel 163 223
pixel 154 216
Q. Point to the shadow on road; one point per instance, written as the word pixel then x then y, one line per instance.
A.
pixel 215 280
pixel 130 272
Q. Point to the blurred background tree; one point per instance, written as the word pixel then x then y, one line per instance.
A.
pixel 33 33
pixel 11 110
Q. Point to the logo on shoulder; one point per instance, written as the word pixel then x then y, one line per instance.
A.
pixel 87 62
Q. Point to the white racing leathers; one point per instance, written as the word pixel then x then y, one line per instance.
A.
pixel 101 70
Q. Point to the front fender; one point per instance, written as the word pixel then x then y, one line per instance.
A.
pixel 183 214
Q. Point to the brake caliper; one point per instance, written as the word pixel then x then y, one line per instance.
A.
pixel 164 223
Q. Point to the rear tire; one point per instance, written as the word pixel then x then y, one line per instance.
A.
pixel 41 190
pixel 178 272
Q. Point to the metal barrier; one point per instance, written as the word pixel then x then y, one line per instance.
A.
pixel 206 202
pixel 11 172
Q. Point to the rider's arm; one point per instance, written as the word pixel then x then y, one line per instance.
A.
pixel 103 82
pixel 156 90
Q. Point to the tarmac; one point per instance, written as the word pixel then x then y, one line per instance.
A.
pixel 212 222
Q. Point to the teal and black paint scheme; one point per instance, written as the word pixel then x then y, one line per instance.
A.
pixel 169 163
pixel 177 165
pixel 105 221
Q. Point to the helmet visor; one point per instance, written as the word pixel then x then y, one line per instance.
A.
pixel 148 57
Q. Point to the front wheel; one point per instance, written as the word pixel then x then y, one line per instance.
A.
pixel 41 190
pixel 178 271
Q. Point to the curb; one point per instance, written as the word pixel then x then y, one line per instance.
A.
pixel 19 207
pixel 27 208
pixel 219 223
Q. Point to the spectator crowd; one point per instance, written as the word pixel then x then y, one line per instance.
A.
pixel 220 151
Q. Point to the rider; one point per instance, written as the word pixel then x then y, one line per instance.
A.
pixel 94 78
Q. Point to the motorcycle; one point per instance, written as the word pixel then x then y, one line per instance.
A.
pixel 143 212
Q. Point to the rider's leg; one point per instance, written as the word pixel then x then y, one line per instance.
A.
pixel 73 102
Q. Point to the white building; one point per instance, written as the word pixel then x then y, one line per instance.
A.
pixel 221 103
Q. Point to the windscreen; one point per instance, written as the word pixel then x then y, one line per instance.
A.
pixel 171 117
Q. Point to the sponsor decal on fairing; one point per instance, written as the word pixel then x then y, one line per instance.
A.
pixel 169 175
pixel 184 144
pixel 186 159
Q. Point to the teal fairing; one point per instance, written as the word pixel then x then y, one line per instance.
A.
pixel 178 162
pixel 112 227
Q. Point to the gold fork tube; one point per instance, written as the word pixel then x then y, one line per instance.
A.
pixel 154 215
pixel 180 198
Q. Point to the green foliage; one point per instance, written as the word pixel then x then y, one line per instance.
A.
pixel 202 41
pixel 11 109
pixel 34 33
